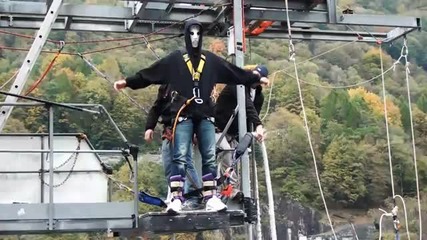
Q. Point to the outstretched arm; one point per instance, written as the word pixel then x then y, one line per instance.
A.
pixel 157 73
pixel 154 74
pixel 231 74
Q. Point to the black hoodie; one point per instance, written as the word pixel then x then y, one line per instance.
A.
pixel 227 102
pixel 173 70
pixel 160 108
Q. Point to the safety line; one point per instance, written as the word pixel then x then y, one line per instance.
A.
pixel 49 67
pixel 405 52
pixel 292 58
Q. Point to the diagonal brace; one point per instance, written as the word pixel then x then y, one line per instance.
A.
pixel 138 9
pixel 30 59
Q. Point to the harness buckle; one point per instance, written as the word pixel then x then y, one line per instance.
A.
pixel 181 119
pixel 198 100
pixel 174 95
pixel 196 76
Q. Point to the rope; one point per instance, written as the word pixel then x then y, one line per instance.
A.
pixel 90 52
pixel 27 49
pixel 292 58
pixel 108 80
pixel 404 53
pixel 406 215
pixel 49 67
pixel 27 36
pixel 299 63
pixel 386 122
pixel 9 80
pixel 351 85
pixel 393 213
pixel 395 220
pixel 269 97
pixel 128 45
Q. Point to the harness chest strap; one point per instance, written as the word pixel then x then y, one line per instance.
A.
pixel 195 74
pixel 196 91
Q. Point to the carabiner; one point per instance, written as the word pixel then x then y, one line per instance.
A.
pixel 198 100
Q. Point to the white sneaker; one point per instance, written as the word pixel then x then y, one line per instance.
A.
pixel 174 207
pixel 214 204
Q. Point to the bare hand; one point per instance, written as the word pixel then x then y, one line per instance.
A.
pixel 264 81
pixel 149 134
pixel 119 85
pixel 259 133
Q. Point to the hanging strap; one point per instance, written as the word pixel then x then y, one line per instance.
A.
pixel 195 75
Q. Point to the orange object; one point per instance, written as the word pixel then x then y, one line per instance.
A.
pixel 227 190
pixel 260 29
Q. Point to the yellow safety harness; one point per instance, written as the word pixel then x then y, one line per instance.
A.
pixel 196 74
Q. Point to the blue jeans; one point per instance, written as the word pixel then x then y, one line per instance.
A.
pixel 205 132
pixel 167 164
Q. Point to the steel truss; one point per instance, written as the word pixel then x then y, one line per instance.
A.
pixel 154 15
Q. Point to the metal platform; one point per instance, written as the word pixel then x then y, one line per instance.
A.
pixel 190 221
pixel 309 18
pixel 109 217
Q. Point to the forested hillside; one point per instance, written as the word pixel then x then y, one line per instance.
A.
pixel 345 111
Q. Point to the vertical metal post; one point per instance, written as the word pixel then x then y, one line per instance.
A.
pixel 135 191
pixel 332 11
pixel 51 209
pixel 30 59
pixel 256 190
pixel 42 171
pixel 110 190
pixel 239 61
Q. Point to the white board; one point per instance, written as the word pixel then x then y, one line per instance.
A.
pixel 81 187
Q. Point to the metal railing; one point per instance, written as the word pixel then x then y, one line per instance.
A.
pixel 128 151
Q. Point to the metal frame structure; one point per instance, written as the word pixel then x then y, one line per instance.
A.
pixel 63 216
pixel 152 15
pixel 120 218
pixel 309 18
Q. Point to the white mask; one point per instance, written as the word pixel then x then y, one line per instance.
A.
pixel 195 35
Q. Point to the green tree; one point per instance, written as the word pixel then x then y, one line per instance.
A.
pixel 343 175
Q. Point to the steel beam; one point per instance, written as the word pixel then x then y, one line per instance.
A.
pixel 138 9
pixel 293 4
pixel 379 20
pixel 98 14
pixel 273 33
pixel 30 59
pixel 323 35
pixel 69 211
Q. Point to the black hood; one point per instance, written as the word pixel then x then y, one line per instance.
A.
pixel 194 53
